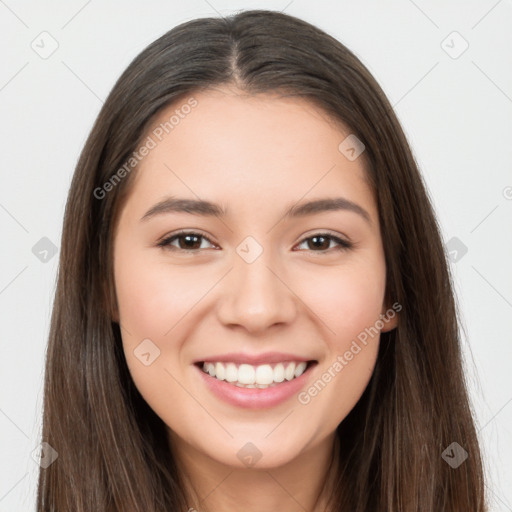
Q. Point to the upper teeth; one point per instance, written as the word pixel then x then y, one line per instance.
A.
pixel 255 376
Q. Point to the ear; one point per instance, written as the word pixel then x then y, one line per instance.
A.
pixel 389 316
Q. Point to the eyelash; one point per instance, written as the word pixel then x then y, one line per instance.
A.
pixel 343 245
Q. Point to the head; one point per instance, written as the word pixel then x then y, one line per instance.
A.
pixel 243 114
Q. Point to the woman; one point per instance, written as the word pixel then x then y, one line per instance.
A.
pixel 253 307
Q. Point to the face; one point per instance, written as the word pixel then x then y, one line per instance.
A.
pixel 256 291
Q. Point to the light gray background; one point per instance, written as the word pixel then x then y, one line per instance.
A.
pixel 455 109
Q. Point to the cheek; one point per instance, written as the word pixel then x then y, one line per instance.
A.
pixel 345 300
pixel 151 304
pixel 151 308
pixel 348 304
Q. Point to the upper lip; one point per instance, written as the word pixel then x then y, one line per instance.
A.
pixel 253 359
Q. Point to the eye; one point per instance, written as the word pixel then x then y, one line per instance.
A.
pixel 188 241
pixel 191 241
pixel 321 242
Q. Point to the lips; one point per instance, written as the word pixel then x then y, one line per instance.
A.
pixel 257 395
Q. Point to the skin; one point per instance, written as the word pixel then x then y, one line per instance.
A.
pixel 255 156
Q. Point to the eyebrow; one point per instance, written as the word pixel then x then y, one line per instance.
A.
pixel 207 208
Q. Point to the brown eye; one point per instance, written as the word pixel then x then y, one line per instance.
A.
pixel 189 241
pixel 321 242
pixel 186 241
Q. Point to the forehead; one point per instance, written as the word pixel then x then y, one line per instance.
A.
pixel 232 146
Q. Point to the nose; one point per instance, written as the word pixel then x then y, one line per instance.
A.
pixel 256 295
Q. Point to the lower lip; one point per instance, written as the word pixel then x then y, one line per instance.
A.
pixel 256 398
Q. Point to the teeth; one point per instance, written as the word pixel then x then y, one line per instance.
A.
pixel 231 372
pixel 299 370
pixel 279 372
pixel 220 371
pixel 289 372
pixel 264 374
pixel 248 376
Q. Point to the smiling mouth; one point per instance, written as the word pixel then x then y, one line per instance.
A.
pixel 255 376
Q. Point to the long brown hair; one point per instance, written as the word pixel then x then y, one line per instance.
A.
pixel 113 453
